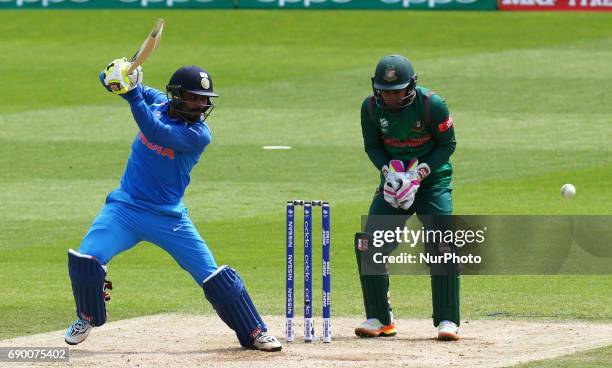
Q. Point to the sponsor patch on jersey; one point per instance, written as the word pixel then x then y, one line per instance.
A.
pixel 410 142
pixel 162 151
pixel 390 73
pixel 445 125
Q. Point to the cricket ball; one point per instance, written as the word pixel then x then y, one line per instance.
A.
pixel 568 190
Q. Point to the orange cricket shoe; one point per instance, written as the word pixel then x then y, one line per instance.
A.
pixel 374 328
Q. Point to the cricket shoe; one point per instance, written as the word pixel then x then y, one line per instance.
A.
pixel 374 328
pixel 77 332
pixel 448 331
pixel 266 342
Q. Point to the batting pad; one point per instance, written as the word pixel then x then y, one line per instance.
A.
pixel 87 277
pixel 226 292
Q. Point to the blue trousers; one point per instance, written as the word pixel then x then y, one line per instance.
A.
pixel 120 226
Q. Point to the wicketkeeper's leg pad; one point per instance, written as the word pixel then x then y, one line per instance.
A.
pixel 375 287
pixel 89 287
pixel 226 292
pixel 445 290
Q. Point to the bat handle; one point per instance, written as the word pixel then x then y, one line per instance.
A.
pixel 131 68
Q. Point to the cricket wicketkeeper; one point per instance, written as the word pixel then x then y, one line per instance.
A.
pixel 148 205
pixel 408 135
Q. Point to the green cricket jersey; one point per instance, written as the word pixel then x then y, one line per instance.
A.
pixel 422 130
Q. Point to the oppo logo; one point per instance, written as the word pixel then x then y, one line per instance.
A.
pixel 142 2
pixel 43 2
pixel 282 3
pixel 168 2
pixel 404 3
pixel 306 2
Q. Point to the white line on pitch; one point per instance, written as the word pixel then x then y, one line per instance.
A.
pixel 276 147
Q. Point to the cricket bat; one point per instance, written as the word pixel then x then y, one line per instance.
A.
pixel 148 46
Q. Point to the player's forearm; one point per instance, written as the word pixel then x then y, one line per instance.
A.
pixel 151 95
pixel 148 124
pixel 142 114
pixel 372 142
pixel 378 156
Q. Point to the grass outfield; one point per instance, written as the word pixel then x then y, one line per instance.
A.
pixel 529 93
pixel 596 358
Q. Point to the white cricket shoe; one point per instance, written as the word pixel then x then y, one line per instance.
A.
pixel 77 332
pixel 266 342
pixel 448 331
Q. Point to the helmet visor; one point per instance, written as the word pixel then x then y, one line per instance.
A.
pixel 391 87
pixel 201 93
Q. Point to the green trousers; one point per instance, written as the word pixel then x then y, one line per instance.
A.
pixel 444 288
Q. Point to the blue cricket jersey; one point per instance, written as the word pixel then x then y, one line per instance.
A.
pixel 164 152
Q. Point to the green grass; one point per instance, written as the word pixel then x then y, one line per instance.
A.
pixel 596 358
pixel 529 94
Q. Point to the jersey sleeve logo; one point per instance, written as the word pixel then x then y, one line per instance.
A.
pixel 423 171
pixel 445 125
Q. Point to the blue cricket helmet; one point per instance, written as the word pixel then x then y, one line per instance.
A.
pixel 191 79
pixel 194 80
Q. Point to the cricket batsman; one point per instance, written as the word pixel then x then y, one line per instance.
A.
pixel 408 135
pixel 148 205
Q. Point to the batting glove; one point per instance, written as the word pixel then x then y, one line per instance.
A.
pixel 116 78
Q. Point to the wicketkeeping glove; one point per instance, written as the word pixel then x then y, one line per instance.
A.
pixel 116 78
pixel 392 174
pixel 410 183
